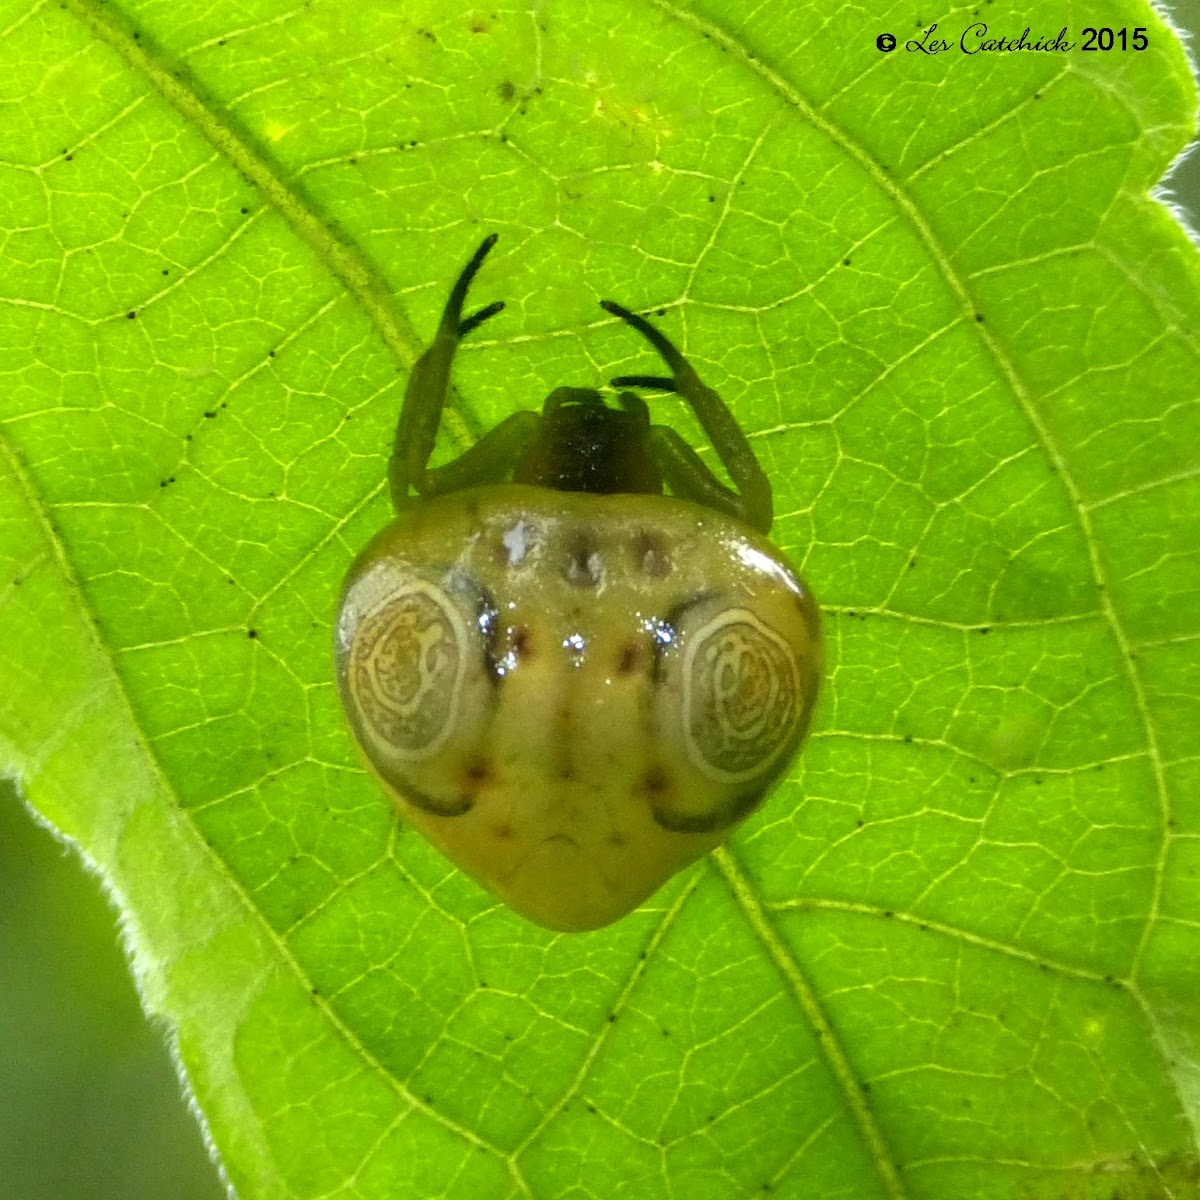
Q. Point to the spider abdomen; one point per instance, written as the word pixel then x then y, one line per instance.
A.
pixel 575 695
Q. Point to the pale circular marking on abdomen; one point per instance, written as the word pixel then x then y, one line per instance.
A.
pixel 407 665
pixel 741 695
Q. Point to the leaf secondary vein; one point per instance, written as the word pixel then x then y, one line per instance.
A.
pixel 344 261
pixel 286 957
pixel 1021 394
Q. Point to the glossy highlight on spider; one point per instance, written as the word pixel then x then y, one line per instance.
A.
pixel 570 683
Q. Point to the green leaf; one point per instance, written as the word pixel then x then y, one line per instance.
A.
pixel 956 954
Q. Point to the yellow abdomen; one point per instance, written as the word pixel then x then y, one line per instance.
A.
pixel 574 696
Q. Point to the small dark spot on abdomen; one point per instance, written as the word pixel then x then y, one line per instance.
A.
pixel 507 649
pixel 632 658
pixel 584 566
pixel 478 773
pixel 652 554
pixel 655 783
pixel 520 641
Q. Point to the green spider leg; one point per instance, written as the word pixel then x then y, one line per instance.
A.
pixel 490 458
pixel 681 466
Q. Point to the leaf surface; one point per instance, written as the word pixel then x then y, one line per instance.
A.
pixel 956 953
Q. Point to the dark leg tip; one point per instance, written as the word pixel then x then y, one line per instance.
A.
pixel 661 382
pixel 477 258
pixel 477 319
pixel 458 294
pixel 654 336
pixel 617 310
